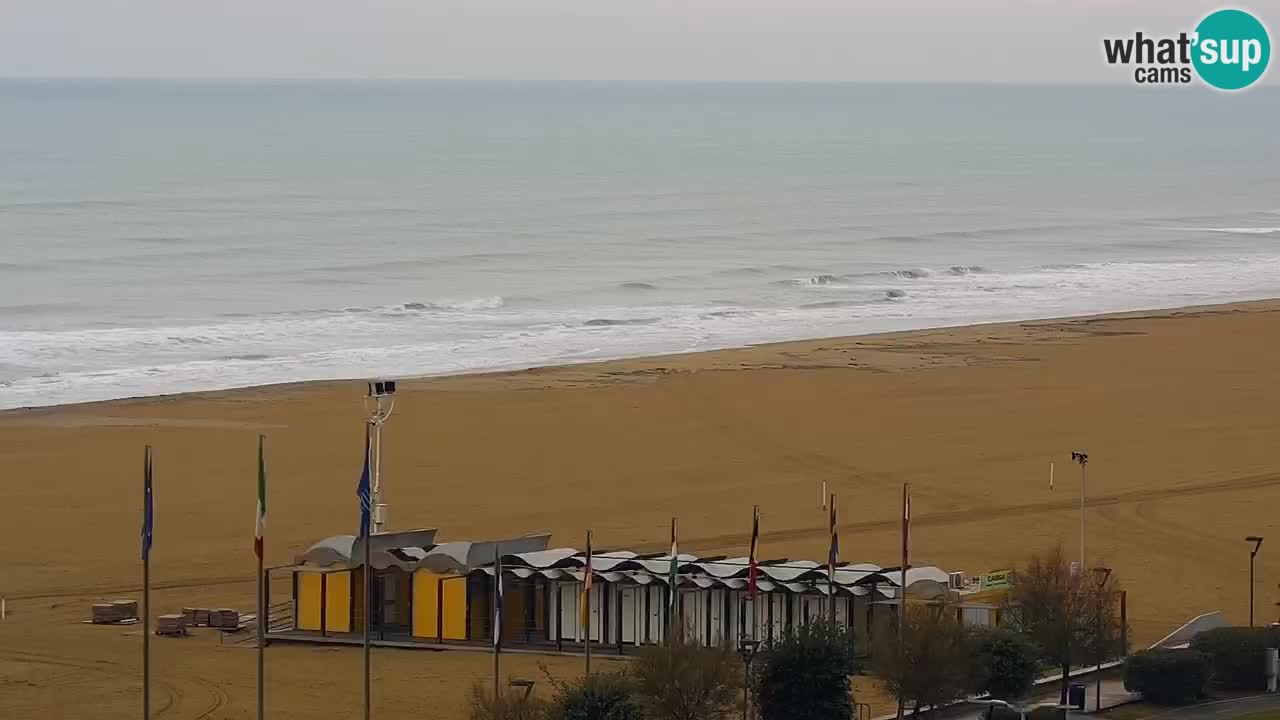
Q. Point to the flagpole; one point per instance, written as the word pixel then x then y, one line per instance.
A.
pixel 497 620
pixel 902 590
pixel 752 570
pixel 146 585
pixel 673 581
pixel 368 575
pixel 831 562
pixel 262 605
pixel 586 578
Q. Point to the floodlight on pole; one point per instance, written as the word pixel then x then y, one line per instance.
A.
pixel 1081 457
pixel 1253 553
pixel 379 402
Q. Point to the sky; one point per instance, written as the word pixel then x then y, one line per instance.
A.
pixel 1033 41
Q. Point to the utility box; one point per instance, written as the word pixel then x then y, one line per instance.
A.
pixel 1075 696
pixel 1273 668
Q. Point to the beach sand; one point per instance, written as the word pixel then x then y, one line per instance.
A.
pixel 1177 410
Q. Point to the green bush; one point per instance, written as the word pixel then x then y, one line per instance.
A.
pixel 1168 677
pixel 686 681
pixel 601 696
pixel 805 675
pixel 1005 664
pixel 1238 655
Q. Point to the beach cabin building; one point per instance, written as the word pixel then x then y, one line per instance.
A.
pixel 428 593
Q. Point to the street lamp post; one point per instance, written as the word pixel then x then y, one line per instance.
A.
pixel 1253 553
pixel 747 650
pixel 379 403
pixel 1101 574
pixel 526 684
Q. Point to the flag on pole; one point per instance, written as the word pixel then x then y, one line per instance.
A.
pixel 673 577
pixel 906 516
pixel 497 598
pixel 752 567
pixel 362 489
pixel 146 506
pixel 834 552
pixel 260 526
pixel 586 592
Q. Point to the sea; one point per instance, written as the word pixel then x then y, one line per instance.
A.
pixel 161 236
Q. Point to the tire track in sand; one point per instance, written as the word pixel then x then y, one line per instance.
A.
pixel 967 515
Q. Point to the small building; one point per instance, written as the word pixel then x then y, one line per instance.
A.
pixel 433 594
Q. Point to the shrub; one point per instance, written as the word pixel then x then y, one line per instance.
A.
pixel 512 705
pixel 685 681
pixel 1168 677
pixel 805 675
pixel 1005 664
pixel 601 696
pixel 1238 655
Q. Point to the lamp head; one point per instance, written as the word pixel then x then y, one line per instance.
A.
pixel 1102 574
pixel 1257 543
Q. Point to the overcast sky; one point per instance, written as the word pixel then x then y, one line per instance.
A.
pixel 921 40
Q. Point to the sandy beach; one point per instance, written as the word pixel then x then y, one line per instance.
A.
pixel 1177 410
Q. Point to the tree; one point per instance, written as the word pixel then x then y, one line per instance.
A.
pixel 1005 664
pixel 931 666
pixel 1061 612
pixel 804 675
pixel 686 681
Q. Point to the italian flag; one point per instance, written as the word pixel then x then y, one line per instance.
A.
pixel 260 526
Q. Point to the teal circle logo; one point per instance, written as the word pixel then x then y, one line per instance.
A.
pixel 1232 49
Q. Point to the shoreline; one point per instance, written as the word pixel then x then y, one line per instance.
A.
pixel 676 357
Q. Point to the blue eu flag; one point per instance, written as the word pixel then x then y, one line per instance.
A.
pixel 146 505
pixel 362 490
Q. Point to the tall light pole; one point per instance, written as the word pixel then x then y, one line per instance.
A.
pixel 1101 574
pixel 380 401
pixel 1079 456
pixel 1253 553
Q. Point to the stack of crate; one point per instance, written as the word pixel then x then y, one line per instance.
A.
pixel 224 618
pixel 196 617
pixel 115 611
pixel 171 625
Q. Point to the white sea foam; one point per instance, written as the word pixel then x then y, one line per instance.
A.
pixel 98 364
pixel 1238 230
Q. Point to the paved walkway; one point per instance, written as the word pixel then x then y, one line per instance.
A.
pixel 1221 709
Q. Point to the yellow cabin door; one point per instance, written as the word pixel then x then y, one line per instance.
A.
pixel 453 599
pixel 426 604
pixel 310 601
pixel 337 602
